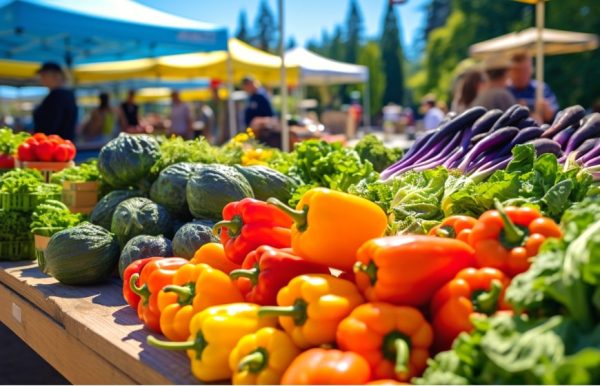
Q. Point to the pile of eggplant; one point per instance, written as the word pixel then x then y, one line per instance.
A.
pixel 479 142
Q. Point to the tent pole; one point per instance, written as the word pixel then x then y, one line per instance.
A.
pixel 367 103
pixel 230 101
pixel 285 130
pixel 539 57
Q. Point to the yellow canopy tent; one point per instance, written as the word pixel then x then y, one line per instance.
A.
pixel 245 60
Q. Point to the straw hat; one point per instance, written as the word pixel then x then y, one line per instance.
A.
pixel 496 62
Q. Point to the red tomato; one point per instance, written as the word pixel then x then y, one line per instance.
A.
pixel 31 141
pixel 7 161
pixel 44 151
pixel 25 152
pixel 61 153
pixel 72 150
pixel 40 136
pixel 56 138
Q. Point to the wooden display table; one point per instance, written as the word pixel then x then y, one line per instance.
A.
pixel 88 334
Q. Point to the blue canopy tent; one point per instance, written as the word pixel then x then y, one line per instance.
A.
pixel 79 31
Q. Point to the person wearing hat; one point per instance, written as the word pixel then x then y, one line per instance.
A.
pixel 495 95
pixel 258 105
pixel 57 114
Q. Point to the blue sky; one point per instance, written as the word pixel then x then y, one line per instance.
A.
pixel 305 19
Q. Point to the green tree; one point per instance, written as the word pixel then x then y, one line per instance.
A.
pixel 370 56
pixel 437 14
pixel 353 39
pixel 243 33
pixel 266 28
pixel 392 58
pixel 291 43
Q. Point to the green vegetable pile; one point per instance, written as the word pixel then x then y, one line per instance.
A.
pixel 51 216
pixel 26 181
pixel 86 172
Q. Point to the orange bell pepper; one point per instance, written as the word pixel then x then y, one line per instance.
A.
pixel 319 366
pixel 455 227
pixel 330 226
pixel 312 306
pixel 154 276
pixel 213 254
pixel 394 339
pixel 507 238
pixel 407 270
pixel 472 291
pixel 194 288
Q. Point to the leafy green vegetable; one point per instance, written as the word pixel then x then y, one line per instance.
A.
pixel 53 214
pixel 10 141
pixel 175 150
pixel 370 148
pixel 26 181
pixel 14 226
pixel 86 172
pixel 527 180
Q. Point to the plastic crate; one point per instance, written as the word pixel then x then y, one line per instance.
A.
pixel 25 202
pixel 16 250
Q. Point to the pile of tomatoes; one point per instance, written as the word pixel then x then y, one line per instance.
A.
pixel 46 148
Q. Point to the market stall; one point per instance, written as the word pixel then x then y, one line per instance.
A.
pixel 489 213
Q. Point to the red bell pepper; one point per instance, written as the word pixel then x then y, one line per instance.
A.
pixel 154 276
pixel 250 223
pixel 455 227
pixel 266 270
pixel 135 267
pixel 472 291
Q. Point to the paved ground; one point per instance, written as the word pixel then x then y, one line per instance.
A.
pixel 20 365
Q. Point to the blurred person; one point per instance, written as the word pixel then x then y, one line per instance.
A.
pixel 522 87
pixel 473 81
pixel 433 116
pixel 495 94
pixel 57 114
pixel 102 122
pixel 181 118
pixel 257 104
pixel 129 115
pixel 205 122
pixel 391 119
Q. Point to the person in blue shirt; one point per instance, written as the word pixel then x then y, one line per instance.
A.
pixel 523 88
pixel 258 105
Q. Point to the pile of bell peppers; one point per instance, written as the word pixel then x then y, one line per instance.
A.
pixel 318 294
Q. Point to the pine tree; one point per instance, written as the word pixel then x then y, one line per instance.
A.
pixel 354 32
pixel 242 33
pixel 266 28
pixel 437 14
pixel 291 43
pixel 392 57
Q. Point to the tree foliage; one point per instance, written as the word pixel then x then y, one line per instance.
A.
pixel 243 32
pixel 392 58
pixel 265 28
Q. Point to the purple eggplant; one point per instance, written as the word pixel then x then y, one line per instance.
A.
pixel 486 121
pixel 519 114
pixel 443 156
pixel 590 129
pixel 564 119
pixel 495 139
pixel 523 136
pixel 592 162
pixel 527 122
pixel 591 154
pixel 504 118
pixel 545 145
pixel 586 147
pixel 563 136
pixel 489 169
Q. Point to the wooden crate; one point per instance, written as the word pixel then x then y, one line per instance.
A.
pixel 80 197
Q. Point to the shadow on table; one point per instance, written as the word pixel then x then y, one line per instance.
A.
pixel 126 316
pixel 33 272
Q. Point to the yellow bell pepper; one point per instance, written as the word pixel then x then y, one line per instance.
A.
pixel 262 358
pixel 195 287
pixel 330 226
pixel 311 307
pixel 214 333
pixel 213 254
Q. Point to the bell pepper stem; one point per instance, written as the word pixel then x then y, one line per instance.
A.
pixel 402 356
pixel 185 294
pixel 512 233
pixel 250 274
pixel 233 226
pixel 487 302
pixel 143 292
pixel 296 312
pixel 187 345
pixel 299 216
pixel 253 362
pixel 368 269
pixel 445 231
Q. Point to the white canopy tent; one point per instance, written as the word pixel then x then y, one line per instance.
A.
pixel 316 70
